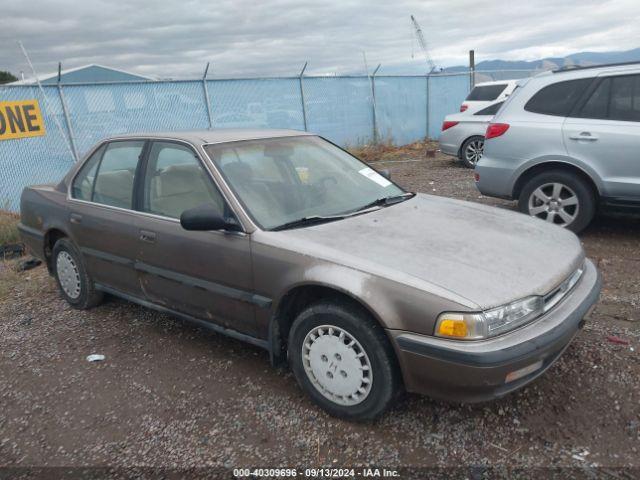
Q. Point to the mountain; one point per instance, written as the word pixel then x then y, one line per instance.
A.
pixel 550 63
pixel 582 59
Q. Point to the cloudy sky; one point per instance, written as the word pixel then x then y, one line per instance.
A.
pixel 172 38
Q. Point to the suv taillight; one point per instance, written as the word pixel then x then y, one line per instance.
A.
pixel 495 130
pixel 463 107
pixel 448 124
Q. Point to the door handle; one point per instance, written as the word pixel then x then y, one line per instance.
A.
pixel 75 218
pixel 147 236
pixel 584 136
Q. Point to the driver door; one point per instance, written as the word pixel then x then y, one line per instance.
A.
pixel 206 275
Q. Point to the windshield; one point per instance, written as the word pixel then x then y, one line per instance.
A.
pixel 281 180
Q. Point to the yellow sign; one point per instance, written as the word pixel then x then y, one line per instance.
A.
pixel 20 120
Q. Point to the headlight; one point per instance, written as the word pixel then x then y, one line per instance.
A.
pixel 475 326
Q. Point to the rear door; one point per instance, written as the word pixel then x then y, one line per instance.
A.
pixel 206 275
pixel 604 133
pixel 101 216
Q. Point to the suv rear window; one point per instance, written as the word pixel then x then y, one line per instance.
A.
pixel 490 110
pixel 486 93
pixel 558 98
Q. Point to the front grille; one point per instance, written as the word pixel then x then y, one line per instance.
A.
pixel 552 298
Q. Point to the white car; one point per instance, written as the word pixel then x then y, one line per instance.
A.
pixel 484 94
pixel 463 134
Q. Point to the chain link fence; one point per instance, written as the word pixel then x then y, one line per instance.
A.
pixel 348 110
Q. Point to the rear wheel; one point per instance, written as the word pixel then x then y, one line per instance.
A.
pixel 76 286
pixel 471 151
pixel 559 197
pixel 343 360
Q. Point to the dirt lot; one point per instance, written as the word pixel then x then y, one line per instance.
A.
pixel 172 395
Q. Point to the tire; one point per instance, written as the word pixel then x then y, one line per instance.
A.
pixel 325 331
pixel 75 284
pixel 471 151
pixel 559 197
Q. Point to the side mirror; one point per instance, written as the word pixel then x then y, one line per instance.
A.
pixel 385 173
pixel 206 218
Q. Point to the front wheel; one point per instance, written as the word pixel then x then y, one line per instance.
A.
pixel 471 151
pixel 343 360
pixel 559 197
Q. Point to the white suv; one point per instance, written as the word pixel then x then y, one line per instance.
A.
pixel 486 93
pixel 565 142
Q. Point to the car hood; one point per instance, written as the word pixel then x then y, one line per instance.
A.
pixel 476 255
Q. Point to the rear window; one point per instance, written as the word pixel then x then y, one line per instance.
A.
pixel 559 98
pixel 490 110
pixel 486 93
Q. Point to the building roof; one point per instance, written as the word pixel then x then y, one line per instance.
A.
pixel 92 73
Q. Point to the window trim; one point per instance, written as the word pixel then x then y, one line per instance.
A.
pixel 148 140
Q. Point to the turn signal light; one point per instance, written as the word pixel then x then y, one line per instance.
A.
pixel 495 130
pixel 448 124
pixel 452 328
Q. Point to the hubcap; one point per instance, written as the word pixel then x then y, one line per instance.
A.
pixel 474 150
pixel 554 202
pixel 337 365
pixel 68 274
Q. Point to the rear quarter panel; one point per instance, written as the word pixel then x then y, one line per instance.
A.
pixel 42 208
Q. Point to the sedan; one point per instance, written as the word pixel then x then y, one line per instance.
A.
pixel 284 240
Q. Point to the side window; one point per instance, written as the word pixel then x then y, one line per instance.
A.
pixel 82 187
pixel 175 181
pixel 116 173
pixel 558 98
pixel 597 106
pixel 625 98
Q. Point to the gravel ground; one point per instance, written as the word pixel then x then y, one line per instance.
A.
pixel 172 395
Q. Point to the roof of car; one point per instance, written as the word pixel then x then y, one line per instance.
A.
pixel 218 135
pixel 494 82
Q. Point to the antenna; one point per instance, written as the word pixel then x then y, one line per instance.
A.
pixel 46 100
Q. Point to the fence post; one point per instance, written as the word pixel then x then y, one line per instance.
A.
pixel 67 119
pixel 206 96
pixel 428 106
pixel 373 103
pixel 472 69
pixel 304 108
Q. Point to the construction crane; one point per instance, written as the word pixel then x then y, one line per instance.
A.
pixel 423 44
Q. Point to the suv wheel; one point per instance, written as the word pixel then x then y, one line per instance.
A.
pixel 471 151
pixel 74 282
pixel 559 197
pixel 343 360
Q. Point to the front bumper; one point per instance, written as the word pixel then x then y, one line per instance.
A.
pixel 474 371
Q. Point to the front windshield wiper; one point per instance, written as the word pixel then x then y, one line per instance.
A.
pixel 386 201
pixel 317 219
pixel 307 221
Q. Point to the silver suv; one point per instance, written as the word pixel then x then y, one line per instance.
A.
pixel 566 142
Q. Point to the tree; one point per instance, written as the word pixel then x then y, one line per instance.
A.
pixel 6 77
